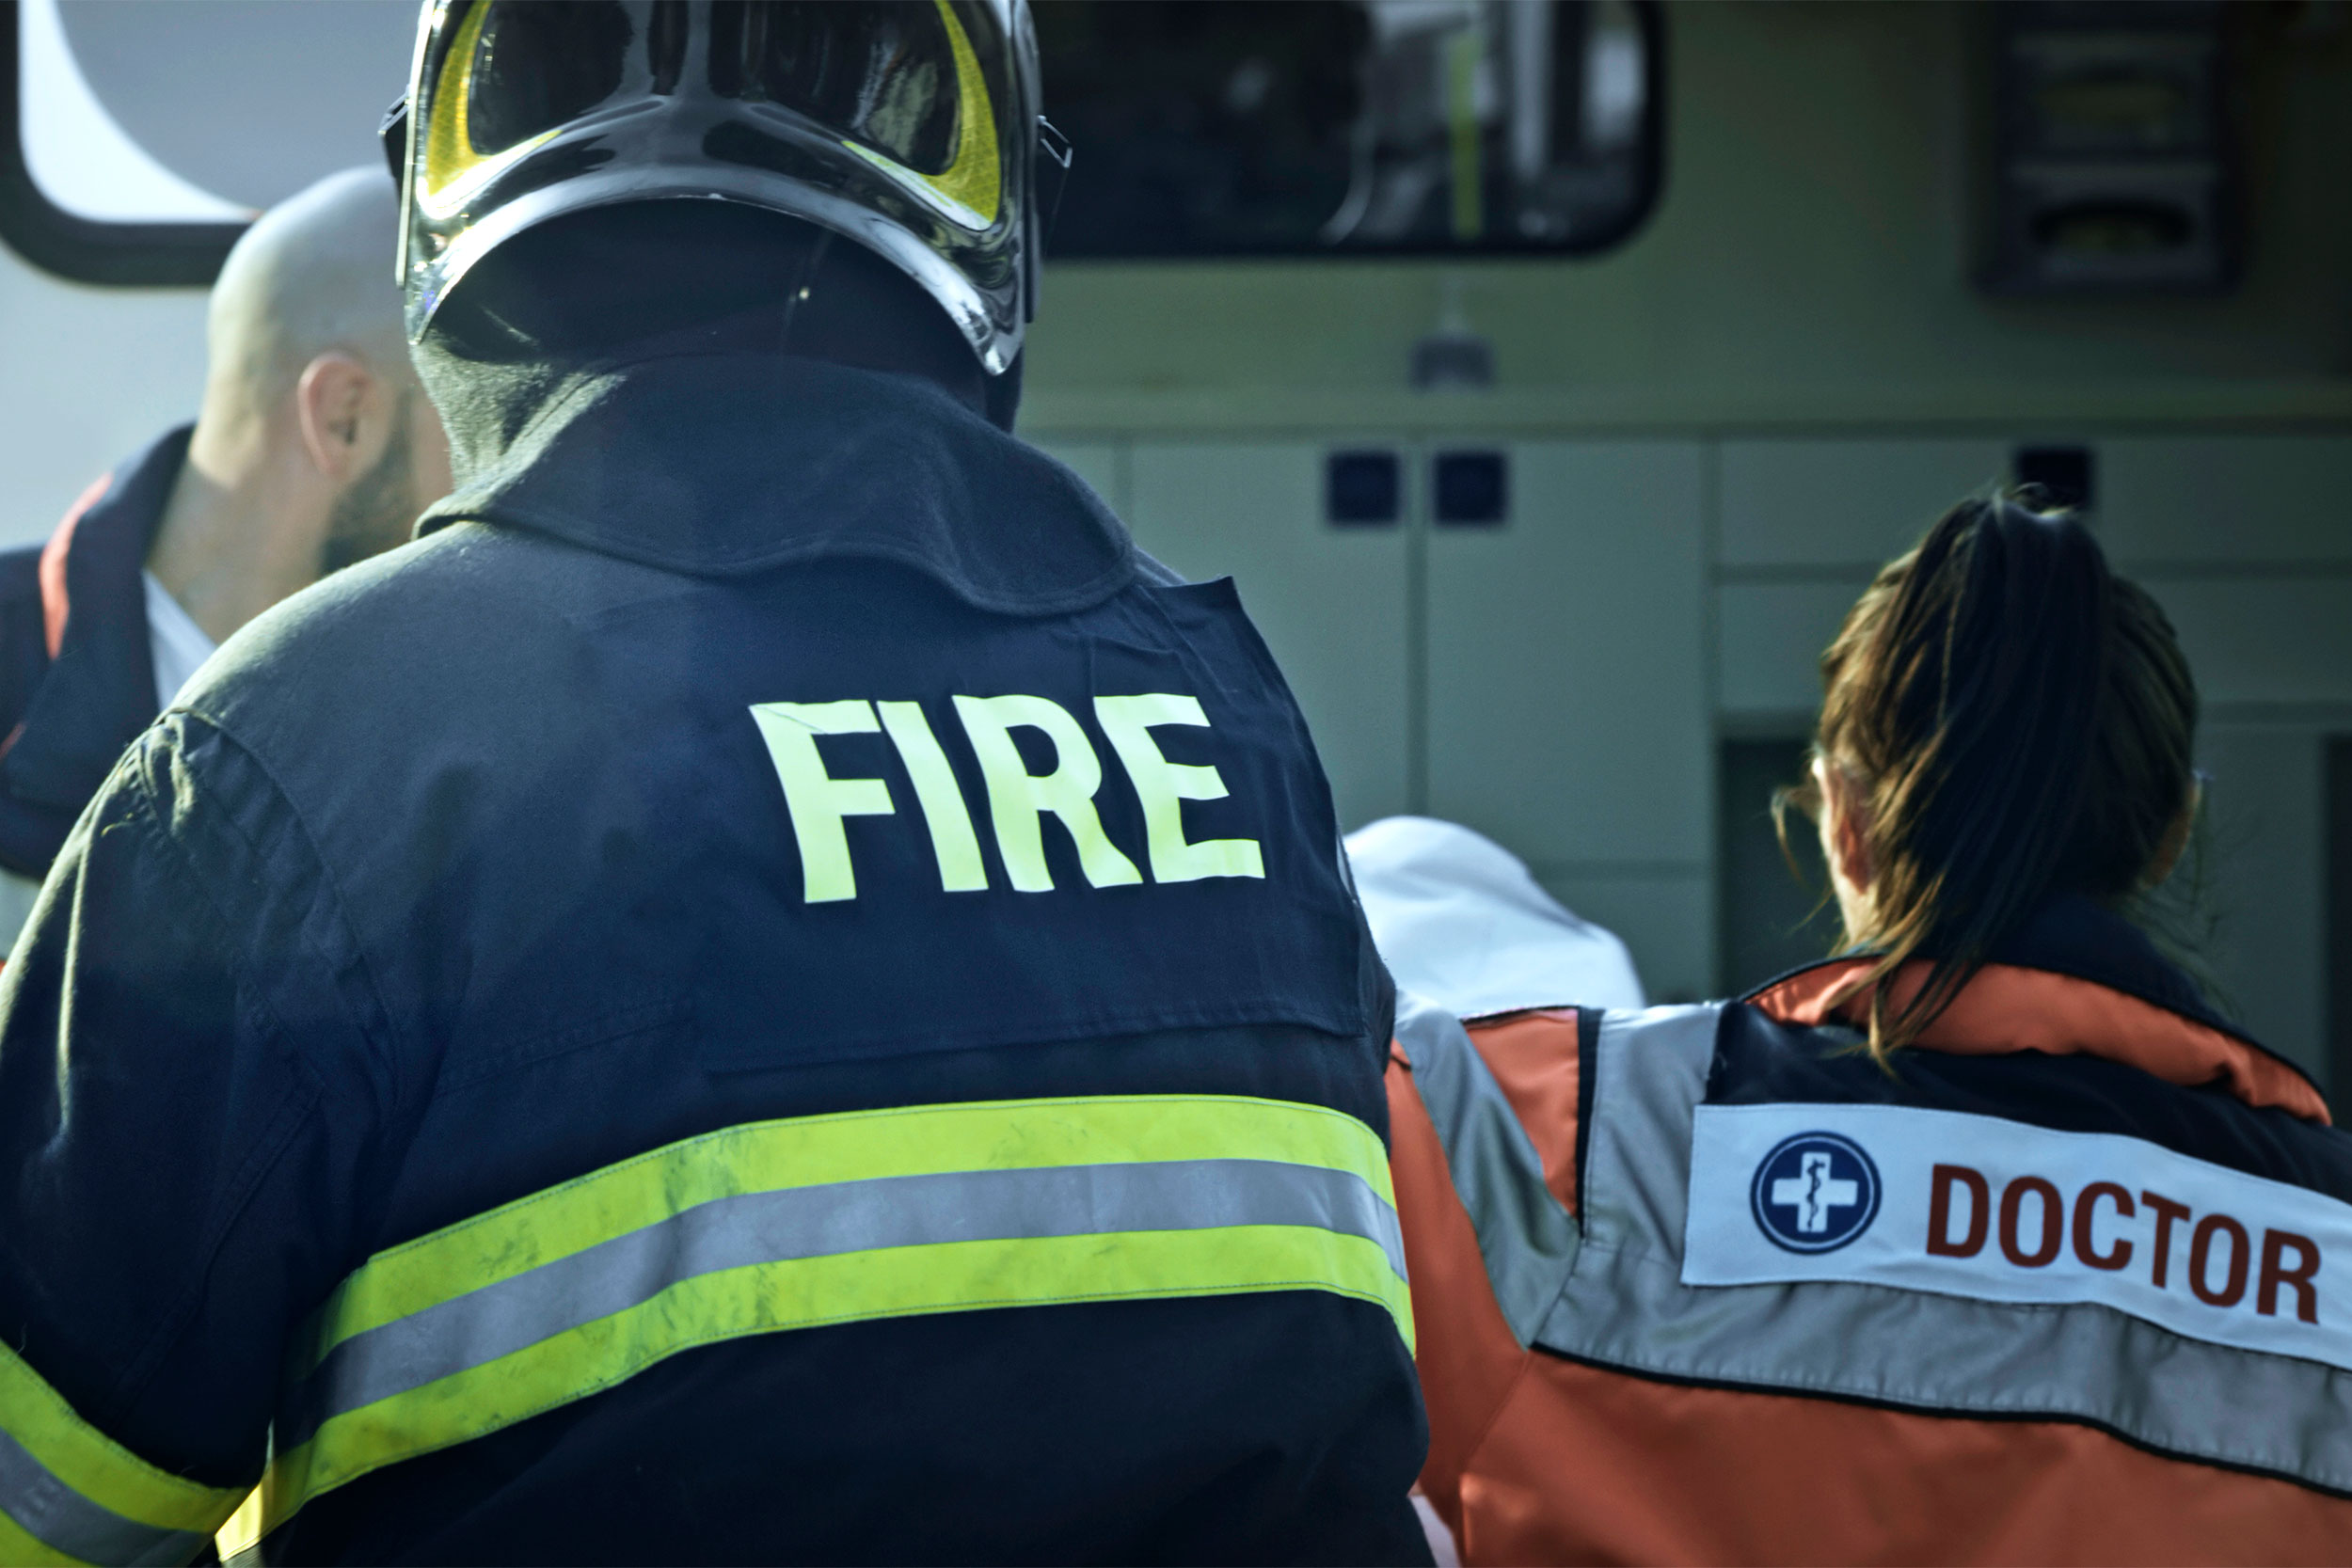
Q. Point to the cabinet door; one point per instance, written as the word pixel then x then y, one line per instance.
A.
pixel 2262 638
pixel 2256 894
pixel 1329 601
pixel 2275 501
pixel 1568 715
pixel 1846 505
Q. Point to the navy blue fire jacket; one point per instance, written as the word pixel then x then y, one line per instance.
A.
pixel 769 990
pixel 77 675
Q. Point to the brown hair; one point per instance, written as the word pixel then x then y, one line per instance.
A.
pixel 2018 722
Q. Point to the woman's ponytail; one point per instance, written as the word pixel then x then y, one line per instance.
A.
pixel 2016 723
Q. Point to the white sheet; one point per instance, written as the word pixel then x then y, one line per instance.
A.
pixel 1462 923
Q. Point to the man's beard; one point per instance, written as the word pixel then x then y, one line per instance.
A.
pixel 377 510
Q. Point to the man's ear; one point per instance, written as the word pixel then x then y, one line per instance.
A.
pixel 344 412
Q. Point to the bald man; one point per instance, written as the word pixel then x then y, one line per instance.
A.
pixel 315 447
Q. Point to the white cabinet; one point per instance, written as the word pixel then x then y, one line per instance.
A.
pixel 2262 639
pixel 1565 709
pixel 1568 713
pixel 1663 915
pixel 1568 709
pixel 2239 500
pixel 1803 525
pixel 2259 918
pixel 1769 638
pixel 1331 602
pixel 1843 504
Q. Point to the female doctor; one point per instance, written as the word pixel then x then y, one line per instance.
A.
pixel 1988 1239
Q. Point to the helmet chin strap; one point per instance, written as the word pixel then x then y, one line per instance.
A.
pixel 812 262
pixel 845 320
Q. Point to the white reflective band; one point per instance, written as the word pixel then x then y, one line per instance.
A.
pixel 1995 1210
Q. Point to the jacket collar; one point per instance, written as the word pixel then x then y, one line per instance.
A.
pixel 98 691
pixel 2077 980
pixel 724 461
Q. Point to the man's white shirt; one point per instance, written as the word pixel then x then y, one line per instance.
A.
pixel 178 643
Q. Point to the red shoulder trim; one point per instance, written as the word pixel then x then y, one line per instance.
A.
pixel 1536 1061
pixel 2006 1008
pixel 1464 1349
pixel 56 606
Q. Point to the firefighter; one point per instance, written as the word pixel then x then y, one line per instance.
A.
pixel 768 990
pixel 1988 1239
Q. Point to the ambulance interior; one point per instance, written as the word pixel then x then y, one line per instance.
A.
pixel 1549 374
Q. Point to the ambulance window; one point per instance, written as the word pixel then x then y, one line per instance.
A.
pixel 137 138
pixel 1353 127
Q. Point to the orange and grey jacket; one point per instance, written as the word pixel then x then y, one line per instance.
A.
pixel 2072 1282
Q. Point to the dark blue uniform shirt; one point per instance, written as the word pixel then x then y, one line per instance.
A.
pixel 66 717
pixel 480 866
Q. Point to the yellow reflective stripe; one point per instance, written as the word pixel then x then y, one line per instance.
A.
pixel 811 1293
pixel 17 1546
pixel 973 179
pixel 853 1145
pixel 63 1481
pixel 449 150
pixel 454 170
pixel 988 1205
pixel 243 1528
pixel 972 185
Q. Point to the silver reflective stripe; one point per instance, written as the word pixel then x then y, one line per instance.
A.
pixel 1525 1235
pixel 823 1221
pixel 62 1519
pixel 1626 1307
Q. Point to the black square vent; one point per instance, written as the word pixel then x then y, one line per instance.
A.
pixel 1360 488
pixel 1472 489
pixel 2064 476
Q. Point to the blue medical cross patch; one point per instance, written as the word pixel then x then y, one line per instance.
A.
pixel 1815 1193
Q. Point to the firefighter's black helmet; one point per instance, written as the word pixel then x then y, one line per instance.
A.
pixel 911 127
